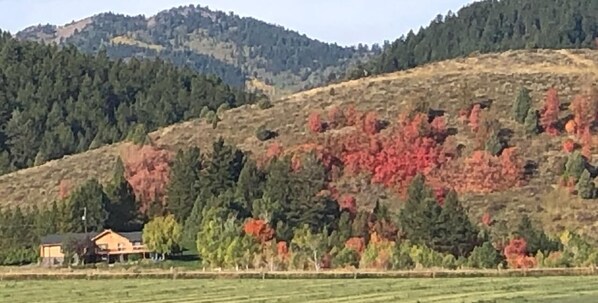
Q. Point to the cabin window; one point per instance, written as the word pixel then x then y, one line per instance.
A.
pixel 137 243
pixel 103 246
pixel 121 246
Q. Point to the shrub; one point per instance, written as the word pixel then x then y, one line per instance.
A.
pixel 264 134
pixel 204 112
pixel 264 104
pixel 484 256
pixel 222 108
pixel 347 257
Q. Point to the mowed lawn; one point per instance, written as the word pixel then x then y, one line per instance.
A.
pixel 544 289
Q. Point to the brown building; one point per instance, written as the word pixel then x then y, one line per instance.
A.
pixel 107 246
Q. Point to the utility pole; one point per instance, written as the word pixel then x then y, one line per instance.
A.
pixel 84 218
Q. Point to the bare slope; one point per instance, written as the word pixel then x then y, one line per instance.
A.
pixel 448 85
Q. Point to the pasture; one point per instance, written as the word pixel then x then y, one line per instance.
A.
pixel 572 289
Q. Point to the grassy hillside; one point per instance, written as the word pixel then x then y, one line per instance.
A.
pixel 448 85
pixel 234 48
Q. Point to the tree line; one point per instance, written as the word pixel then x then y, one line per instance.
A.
pixel 239 213
pixel 59 101
pixel 491 26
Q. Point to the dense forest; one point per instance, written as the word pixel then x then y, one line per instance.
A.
pixel 492 26
pixel 227 45
pixel 59 101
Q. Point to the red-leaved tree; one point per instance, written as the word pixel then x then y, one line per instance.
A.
pixel 64 189
pixel 259 229
pixel 314 123
pixel 474 118
pixel 549 115
pixel 516 254
pixel 147 169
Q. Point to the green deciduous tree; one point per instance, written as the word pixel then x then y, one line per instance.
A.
pixel 162 235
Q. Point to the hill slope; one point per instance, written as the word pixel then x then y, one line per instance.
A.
pixel 448 85
pixel 493 26
pixel 227 45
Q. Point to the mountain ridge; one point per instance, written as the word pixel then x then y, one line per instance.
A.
pixel 237 49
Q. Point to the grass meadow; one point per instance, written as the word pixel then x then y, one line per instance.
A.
pixel 580 289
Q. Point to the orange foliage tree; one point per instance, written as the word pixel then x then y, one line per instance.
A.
pixel 549 115
pixel 583 114
pixel 64 189
pixel 147 169
pixel 259 229
pixel 474 118
pixel 356 243
pixel 485 173
pixel 569 146
pixel 516 254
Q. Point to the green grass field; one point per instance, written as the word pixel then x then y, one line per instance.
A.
pixel 545 289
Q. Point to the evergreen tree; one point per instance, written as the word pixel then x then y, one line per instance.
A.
pixel 250 184
pixel 223 169
pixel 182 190
pixel 536 239
pixel 420 213
pixel 575 165
pixel 193 224
pixel 122 207
pixel 89 198
pixel 522 105
pixel 532 122
pixel 586 188
pixel 455 233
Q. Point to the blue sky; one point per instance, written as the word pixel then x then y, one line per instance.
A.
pixel 346 22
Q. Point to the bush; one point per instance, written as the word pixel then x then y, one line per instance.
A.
pixel 346 258
pixel 222 108
pixel 264 104
pixel 204 112
pixel 484 256
pixel 401 258
pixel 264 134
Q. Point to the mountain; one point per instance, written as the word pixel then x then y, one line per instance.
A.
pixel 235 49
pixel 492 26
pixel 56 102
pixel 475 95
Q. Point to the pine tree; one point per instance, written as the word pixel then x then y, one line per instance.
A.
pixel 89 196
pixel 420 213
pixel 193 224
pixel 522 105
pixel 182 190
pixel 455 233
pixel 536 239
pixel 122 207
pixel 494 144
pixel 575 165
pixel 586 188
pixel 250 184
pixel 531 122
pixel 223 169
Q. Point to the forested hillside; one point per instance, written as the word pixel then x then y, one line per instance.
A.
pixel 56 102
pixel 492 26
pixel 227 45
